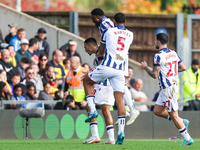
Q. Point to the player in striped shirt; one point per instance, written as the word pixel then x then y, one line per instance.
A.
pixel 104 23
pixel 166 65
pixel 117 41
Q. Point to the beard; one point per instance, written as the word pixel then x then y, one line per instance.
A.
pixel 157 47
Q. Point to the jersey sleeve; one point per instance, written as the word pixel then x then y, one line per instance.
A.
pixel 156 60
pixel 103 37
pixel 179 59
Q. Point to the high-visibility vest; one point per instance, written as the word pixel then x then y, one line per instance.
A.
pixel 76 85
pixel 190 85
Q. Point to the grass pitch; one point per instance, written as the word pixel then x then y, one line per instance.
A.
pixel 76 144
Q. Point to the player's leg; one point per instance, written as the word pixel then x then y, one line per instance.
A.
pixel 109 123
pixel 181 127
pixel 128 100
pixel 121 116
pixel 88 86
pixel 94 128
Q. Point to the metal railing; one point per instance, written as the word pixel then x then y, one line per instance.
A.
pixel 3 102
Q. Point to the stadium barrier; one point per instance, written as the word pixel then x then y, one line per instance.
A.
pixel 55 101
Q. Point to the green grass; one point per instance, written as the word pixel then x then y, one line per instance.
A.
pixel 76 144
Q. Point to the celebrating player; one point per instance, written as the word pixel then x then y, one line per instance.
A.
pixel 116 41
pixel 104 23
pixel 166 65
pixel 103 95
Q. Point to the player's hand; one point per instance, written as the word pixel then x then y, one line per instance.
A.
pixel 99 55
pixel 143 64
pixel 83 103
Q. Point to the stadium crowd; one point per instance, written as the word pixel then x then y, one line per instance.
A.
pixel 26 73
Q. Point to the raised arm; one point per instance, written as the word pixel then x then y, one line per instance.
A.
pixel 153 73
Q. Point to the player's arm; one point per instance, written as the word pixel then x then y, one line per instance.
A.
pixel 181 67
pixel 153 73
pixel 101 51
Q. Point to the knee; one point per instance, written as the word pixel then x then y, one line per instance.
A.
pixel 156 112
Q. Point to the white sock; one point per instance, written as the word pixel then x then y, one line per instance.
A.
pixel 128 99
pixel 169 118
pixel 91 104
pixel 110 131
pixel 184 133
pixel 121 124
pixel 127 113
pixel 94 128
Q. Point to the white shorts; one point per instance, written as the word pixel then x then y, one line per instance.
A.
pixel 104 95
pixel 168 98
pixel 115 77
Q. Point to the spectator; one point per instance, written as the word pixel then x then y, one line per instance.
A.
pixel 7 66
pixel 130 75
pixel 12 32
pixel 30 92
pixel 45 95
pixel 50 78
pixel 28 80
pixel 43 44
pixel 71 51
pixel 15 40
pixel 5 94
pixel 23 51
pixel 1 37
pixel 138 95
pixel 55 62
pixel 37 79
pixel 74 84
pixel 12 55
pixel 18 96
pixel 86 66
pixel 33 46
pixel 16 78
pixel 43 64
pixel 21 67
pixel 191 90
pixel 3 78
pixel 66 63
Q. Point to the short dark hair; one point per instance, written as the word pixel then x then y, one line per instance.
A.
pixel 163 38
pixel 120 18
pixel 32 41
pixel 29 85
pixel 91 40
pixel 9 46
pixel 17 86
pixel 65 61
pixel 27 69
pixel 25 60
pixel 97 11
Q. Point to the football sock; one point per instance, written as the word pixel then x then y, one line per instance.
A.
pixel 121 124
pixel 184 133
pixel 127 113
pixel 110 131
pixel 94 128
pixel 91 104
pixel 169 118
pixel 128 99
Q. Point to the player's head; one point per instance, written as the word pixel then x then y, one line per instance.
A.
pixel 90 45
pixel 96 15
pixel 119 18
pixel 161 39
